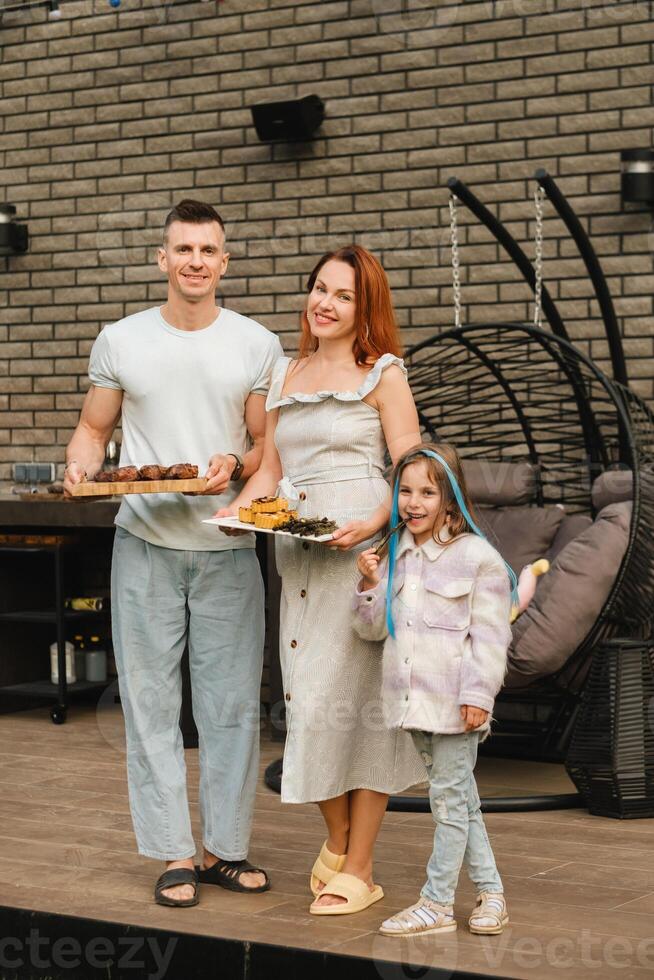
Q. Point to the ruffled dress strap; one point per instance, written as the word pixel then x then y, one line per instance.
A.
pixel 277 378
pixel 368 384
pixel 373 377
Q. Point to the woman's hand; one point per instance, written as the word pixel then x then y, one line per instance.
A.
pixel 473 717
pixel 231 532
pixel 351 534
pixel 368 564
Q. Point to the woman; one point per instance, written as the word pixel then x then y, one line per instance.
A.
pixel 332 414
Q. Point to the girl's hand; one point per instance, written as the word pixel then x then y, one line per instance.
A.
pixel 368 563
pixel 473 717
pixel 351 534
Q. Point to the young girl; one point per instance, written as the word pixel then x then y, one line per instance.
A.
pixel 443 605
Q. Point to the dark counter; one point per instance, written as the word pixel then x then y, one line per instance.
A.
pixel 24 512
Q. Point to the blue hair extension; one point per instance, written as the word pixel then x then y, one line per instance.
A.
pixel 392 548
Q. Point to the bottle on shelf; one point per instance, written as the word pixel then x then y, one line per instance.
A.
pixel 85 603
pixel 70 663
pixel 96 660
pixel 80 656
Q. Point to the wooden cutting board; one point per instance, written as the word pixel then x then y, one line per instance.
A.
pixel 91 489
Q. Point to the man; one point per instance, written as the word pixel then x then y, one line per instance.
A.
pixel 190 381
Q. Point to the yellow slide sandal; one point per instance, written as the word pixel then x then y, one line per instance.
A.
pixel 325 867
pixel 356 893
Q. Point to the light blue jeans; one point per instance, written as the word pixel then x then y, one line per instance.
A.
pixel 162 599
pixel 460 836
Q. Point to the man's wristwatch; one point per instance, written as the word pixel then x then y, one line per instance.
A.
pixel 238 469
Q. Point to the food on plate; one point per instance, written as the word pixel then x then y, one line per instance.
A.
pixel 125 474
pixel 268 505
pixel 272 514
pixel 274 521
pixel 152 472
pixel 315 526
pixel 181 471
pixel 285 520
pixel 270 521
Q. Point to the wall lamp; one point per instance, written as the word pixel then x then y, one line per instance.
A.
pixel 637 177
pixel 13 237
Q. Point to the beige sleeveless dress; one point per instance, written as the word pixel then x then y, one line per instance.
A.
pixel 332 449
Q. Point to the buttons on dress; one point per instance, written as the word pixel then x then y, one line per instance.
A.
pixel 369 598
pixel 303 496
pixel 305 545
pixel 409 622
pixel 288 697
pixel 406 660
pixel 303 594
pixel 413 587
pixel 294 643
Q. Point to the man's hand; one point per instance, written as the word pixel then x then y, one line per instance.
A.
pixel 219 472
pixel 368 563
pixel 351 534
pixel 473 717
pixel 73 474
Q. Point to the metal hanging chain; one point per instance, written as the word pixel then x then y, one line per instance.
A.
pixel 456 278
pixel 539 195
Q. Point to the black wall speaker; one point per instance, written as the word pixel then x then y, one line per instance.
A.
pixel 637 178
pixel 297 119
pixel 13 237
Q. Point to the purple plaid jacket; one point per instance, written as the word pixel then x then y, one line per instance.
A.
pixel 451 606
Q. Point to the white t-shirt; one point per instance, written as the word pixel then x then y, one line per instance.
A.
pixel 184 400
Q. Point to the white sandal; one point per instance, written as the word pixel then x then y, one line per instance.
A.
pixel 424 916
pixel 490 915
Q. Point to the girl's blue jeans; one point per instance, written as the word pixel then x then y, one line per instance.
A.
pixel 460 836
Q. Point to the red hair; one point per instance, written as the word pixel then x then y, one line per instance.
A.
pixel 374 317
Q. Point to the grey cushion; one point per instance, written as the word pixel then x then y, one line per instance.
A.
pixel 612 487
pixel 521 534
pixel 499 484
pixel 571 526
pixel 569 598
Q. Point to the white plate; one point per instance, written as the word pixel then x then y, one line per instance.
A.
pixel 233 522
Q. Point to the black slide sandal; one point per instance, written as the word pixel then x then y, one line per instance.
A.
pixel 176 876
pixel 227 874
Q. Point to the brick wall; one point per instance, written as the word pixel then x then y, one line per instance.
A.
pixel 108 117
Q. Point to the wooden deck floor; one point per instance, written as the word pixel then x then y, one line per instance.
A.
pixel 580 888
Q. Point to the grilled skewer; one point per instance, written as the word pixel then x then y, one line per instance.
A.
pixel 383 544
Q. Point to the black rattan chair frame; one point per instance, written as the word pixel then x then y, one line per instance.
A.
pixel 611 756
pixel 610 425
pixel 595 273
